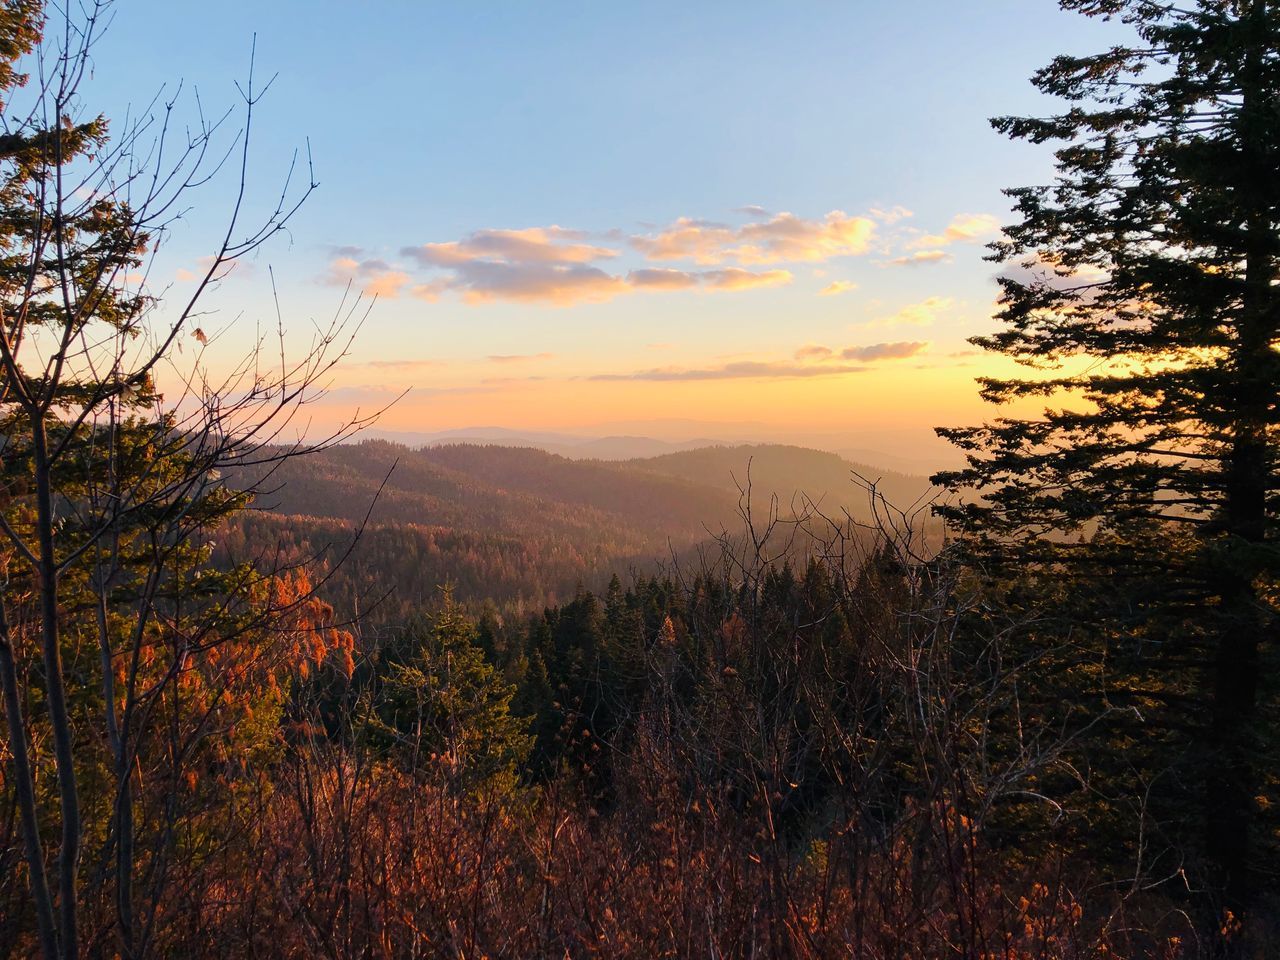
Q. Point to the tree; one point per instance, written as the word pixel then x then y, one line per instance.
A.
pixel 111 490
pixel 1143 290
pixel 444 704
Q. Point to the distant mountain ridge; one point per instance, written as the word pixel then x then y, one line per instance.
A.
pixel 632 440
pixel 523 525
pixel 573 447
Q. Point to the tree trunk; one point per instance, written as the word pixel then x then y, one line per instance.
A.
pixel 25 788
pixel 69 853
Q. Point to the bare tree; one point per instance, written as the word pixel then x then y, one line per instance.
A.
pixel 110 489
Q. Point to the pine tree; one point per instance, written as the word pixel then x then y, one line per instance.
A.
pixel 446 706
pixel 1144 293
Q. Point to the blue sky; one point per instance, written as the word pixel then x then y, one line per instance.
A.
pixel 433 122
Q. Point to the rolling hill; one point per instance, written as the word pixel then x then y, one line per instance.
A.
pixel 518 525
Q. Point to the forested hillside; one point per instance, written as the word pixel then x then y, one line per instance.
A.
pixel 518 526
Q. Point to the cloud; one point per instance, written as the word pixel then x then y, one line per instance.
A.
pixel 786 237
pixel 430 291
pixel 400 364
pixel 661 279
pixel 754 210
pixel 518 357
pixel 548 245
pixel 482 281
pixel 687 239
pixel 782 238
pixel 964 228
pixel 920 314
pixel 921 258
pixel 813 351
pixel 739 370
pixel 735 278
pixel 900 350
pixel 560 266
pixel 376 277
pixel 387 285
pixel 836 288
pixel 810 360
pixel 892 215
pixel 727 279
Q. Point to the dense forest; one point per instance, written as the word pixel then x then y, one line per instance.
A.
pixel 347 698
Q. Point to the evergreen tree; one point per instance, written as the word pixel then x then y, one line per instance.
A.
pixel 446 704
pixel 1144 291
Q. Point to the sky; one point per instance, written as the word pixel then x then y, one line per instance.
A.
pixel 742 220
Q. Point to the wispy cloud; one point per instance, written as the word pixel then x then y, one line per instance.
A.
pixel 739 370
pixel 401 364
pixel 837 287
pixel 922 314
pixel 813 351
pixel 901 350
pixel 921 258
pixel 809 361
pixel 892 215
pixel 518 357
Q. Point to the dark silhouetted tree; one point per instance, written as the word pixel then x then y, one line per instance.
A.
pixel 1143 291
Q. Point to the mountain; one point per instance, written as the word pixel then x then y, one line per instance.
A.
pixel 514 524
pixel 829 481
pixel 571 446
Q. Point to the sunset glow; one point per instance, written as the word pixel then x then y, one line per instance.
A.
pixel 760 228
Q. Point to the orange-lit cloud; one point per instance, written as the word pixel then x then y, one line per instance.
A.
pixel 892 215
pixel 963 228
pixel 921 314
pixel 921 258
pixel 735 278
pixel 738 370
pixel 483 281
pixel 661 279
pixel 813 351
pixel 388 284
pixel 532 245
pixel 375 277
pixel 811 360
pixel 559 266
pixel 518 357
pixel 782 238
pixel 688 239
pixel 729 278
pixel 401 364
pixel 886 351
pixel 836 288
